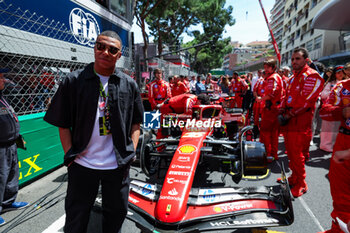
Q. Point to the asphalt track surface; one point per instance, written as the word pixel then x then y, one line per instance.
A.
pixel 311 211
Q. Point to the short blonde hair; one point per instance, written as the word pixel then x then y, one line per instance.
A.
pixel 347 66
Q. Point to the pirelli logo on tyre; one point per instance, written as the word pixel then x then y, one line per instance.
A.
pixel 187 149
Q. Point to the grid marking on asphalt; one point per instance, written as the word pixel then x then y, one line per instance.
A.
pixel 56 226
pixel 306 207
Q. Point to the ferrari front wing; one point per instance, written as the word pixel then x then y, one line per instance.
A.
pixel 214 209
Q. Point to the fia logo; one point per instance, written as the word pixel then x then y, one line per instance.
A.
pixel 84 27
pixel 151 120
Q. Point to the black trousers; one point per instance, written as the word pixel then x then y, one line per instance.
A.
pixel 83 184
pixel 9 174
pixel 247 100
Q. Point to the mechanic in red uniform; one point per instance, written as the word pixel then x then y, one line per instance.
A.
pixel 337 108
pixel 183 103
pixel 297 109
pixel 284 78
pixel 272 94
pixel 185 80
pixel 257 107
pixel 178 87
pixel 159 90
pixel 238 87
pixel 180 104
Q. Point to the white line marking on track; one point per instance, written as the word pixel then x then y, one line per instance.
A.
pixel 56 226
pixel 306 207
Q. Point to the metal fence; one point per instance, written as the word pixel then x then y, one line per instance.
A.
pixel 39 52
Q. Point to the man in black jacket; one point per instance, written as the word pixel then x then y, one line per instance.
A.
pixel 98 111
pixel 9 171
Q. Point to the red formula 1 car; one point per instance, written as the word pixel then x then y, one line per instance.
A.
pixel 176 206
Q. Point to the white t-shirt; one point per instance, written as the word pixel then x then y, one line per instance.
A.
pixel 254 80
pixel 99 153
pixel 193 85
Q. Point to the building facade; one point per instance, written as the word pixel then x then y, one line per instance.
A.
pixel 297 31
pixel 276 21
pixel 241 57
pixel 238 56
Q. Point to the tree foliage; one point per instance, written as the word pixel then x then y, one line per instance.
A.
pixel 213 23
pixel 169 19
pixel 142 10
pixel 209 57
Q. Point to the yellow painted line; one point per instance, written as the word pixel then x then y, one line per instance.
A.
pixel 257 177
pixel 265 231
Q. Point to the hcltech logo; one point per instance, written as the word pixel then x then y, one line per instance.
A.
pixel 151 120
pixel 84 27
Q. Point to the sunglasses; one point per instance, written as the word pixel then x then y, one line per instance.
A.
pixel 102 47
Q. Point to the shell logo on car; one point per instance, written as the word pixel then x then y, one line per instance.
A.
pixel 187 149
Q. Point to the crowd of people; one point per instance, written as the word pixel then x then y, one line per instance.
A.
pixel 288 102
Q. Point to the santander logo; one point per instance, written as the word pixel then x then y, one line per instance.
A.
pixel 173 192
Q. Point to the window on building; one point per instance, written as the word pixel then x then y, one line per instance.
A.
pixel 318 42
pixel 306 13
pixel 103 2
pixel 309 46
pixel 119 6
pixel 304 29
pixel 313 3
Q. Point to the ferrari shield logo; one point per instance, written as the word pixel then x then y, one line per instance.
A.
pixel 168 208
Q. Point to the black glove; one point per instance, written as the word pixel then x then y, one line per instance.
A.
pixel 282 120
pixel 268 104
pixel 21 143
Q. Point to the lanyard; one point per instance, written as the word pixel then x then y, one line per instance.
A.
pixel 3 101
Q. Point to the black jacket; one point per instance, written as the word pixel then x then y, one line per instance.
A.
pixel 9 125
pixel 75 103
